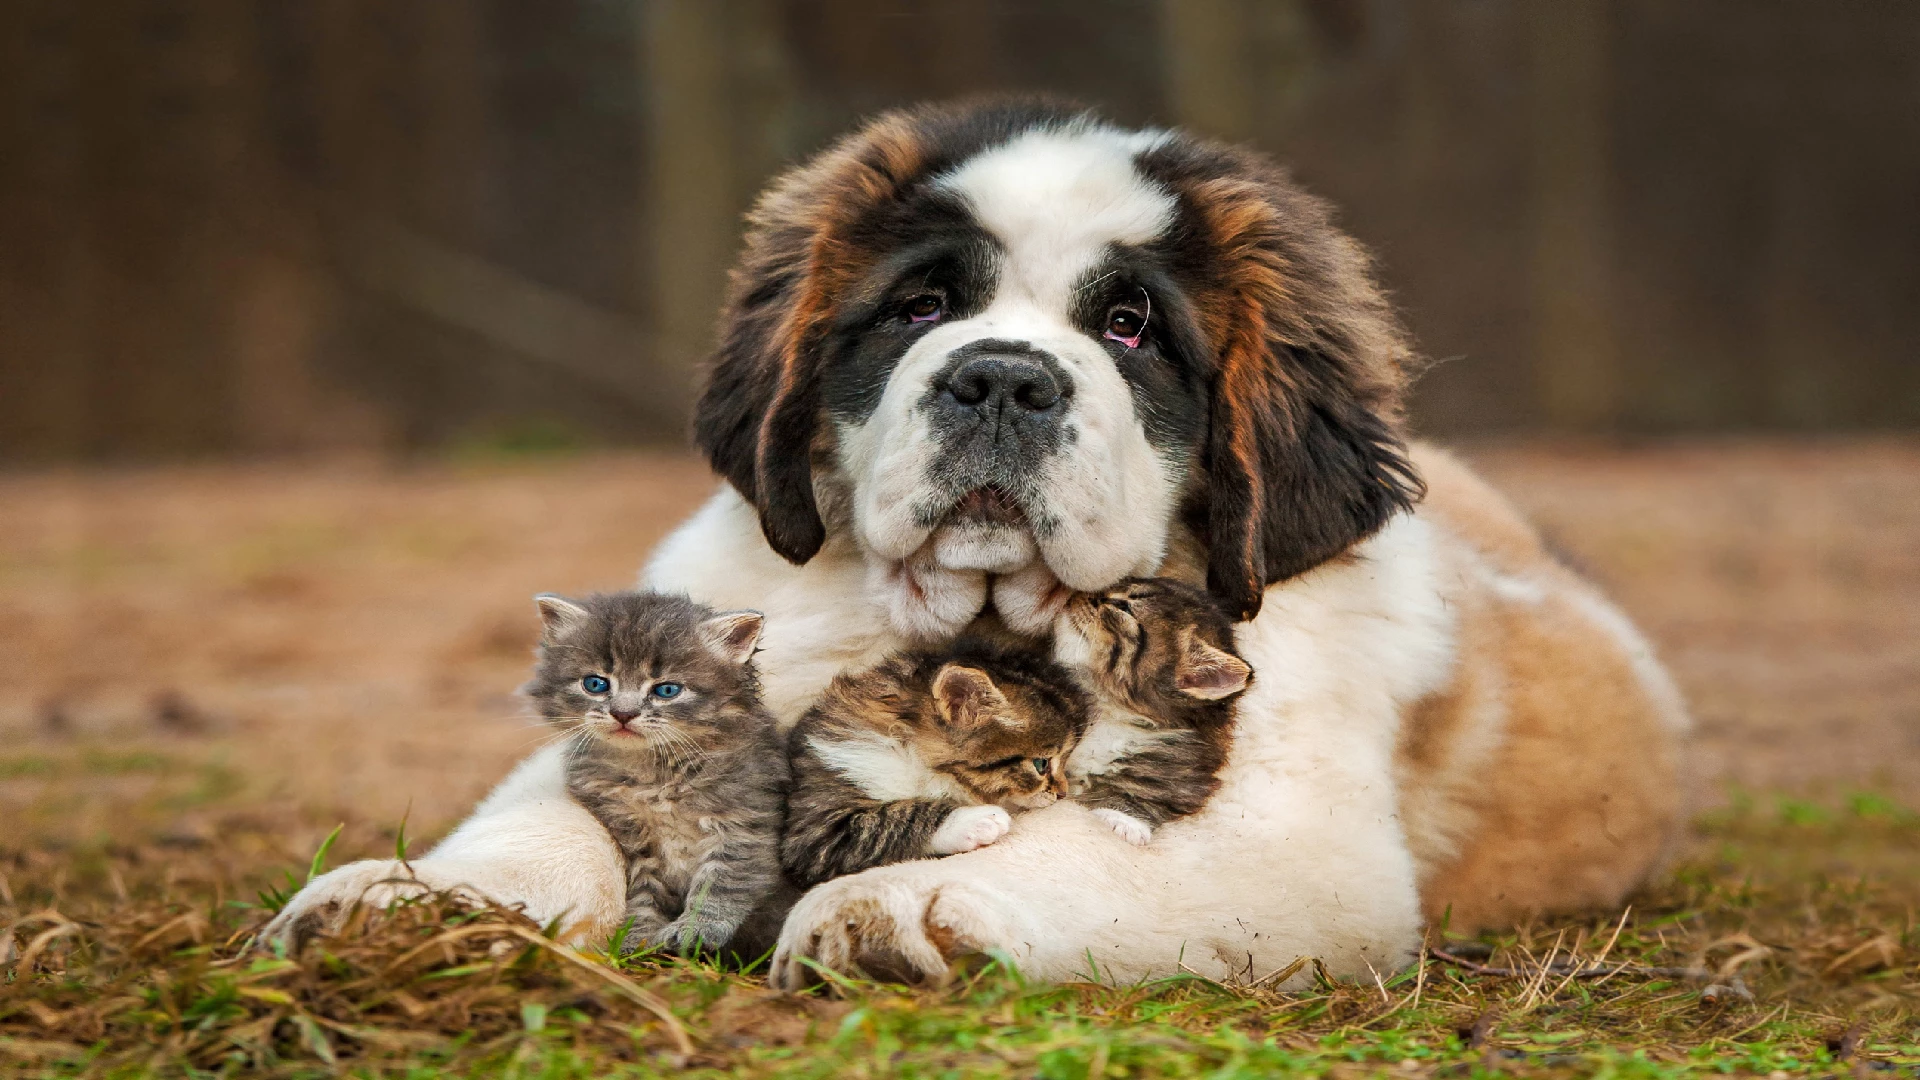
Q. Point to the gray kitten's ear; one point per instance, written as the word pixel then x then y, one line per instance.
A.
pixel 1208 673
pixel 733 634
pixel 965 697
pixel 557 613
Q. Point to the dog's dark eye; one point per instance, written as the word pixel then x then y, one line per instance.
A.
pixel 595 684
pixel 927 307
pixel 1125 325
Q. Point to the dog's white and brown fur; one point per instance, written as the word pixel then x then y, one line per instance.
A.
pixel 975 357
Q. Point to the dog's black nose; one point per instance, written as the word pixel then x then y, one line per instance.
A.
pixel 1002 381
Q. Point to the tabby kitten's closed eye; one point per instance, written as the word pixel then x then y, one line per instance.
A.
pixel 1159 657
pixel 924 755
pixel 672 751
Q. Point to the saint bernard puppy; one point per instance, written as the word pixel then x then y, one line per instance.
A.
pixel 977 357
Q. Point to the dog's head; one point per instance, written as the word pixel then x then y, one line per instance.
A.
pixel 1006 332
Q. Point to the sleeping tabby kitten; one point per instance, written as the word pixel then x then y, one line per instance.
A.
pixel 674 754
pixel 924 755
pixel 1158 656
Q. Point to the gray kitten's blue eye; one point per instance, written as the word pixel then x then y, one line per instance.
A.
pixel 666 690
pixel 595 684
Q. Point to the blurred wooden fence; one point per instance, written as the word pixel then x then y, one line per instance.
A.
pixel 288 225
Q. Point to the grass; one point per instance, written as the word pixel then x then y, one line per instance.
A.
pixel 1787 942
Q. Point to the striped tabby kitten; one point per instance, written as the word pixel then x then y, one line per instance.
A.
pixel 1158 657
pixel 924 755
pixel 674 754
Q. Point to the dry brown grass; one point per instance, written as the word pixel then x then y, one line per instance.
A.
pixel 1780 947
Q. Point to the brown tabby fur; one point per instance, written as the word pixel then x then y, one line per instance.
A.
pixel 841 821
pixel 1159 657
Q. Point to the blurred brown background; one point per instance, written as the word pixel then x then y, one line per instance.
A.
pixel 246 226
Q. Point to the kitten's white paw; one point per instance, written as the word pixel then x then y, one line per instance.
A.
pixel 1126 826
pixel 970 827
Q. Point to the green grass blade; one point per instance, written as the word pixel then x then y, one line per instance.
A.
pixel 319 862
pixel 400 841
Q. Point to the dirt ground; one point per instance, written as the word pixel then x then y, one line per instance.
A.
pixel 310 643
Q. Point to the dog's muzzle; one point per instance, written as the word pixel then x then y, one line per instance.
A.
pixel 998 410
pixel 999 406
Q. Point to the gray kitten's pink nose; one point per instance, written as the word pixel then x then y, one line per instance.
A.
pixel 623 716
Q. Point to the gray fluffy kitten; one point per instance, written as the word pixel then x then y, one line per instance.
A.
pixel 674 754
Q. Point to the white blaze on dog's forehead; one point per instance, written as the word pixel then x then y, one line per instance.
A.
pixel 1056 199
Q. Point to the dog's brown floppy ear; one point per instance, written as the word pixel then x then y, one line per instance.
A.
pixel 1304 455
pixel 756 413
pixel 761 404
pixel 1292 484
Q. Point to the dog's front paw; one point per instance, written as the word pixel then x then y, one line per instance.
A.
pixel 324 903
pixel 1126 826
pixel 968 828
pixel 905 923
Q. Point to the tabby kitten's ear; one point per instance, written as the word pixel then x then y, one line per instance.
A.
pixel 1208 673
pixel 733 634
pixel 557 613
pixel 966 698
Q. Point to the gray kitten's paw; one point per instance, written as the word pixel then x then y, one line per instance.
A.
pixel 968 828
pixel 1126 826
pixel 639 935
pixel 685 936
